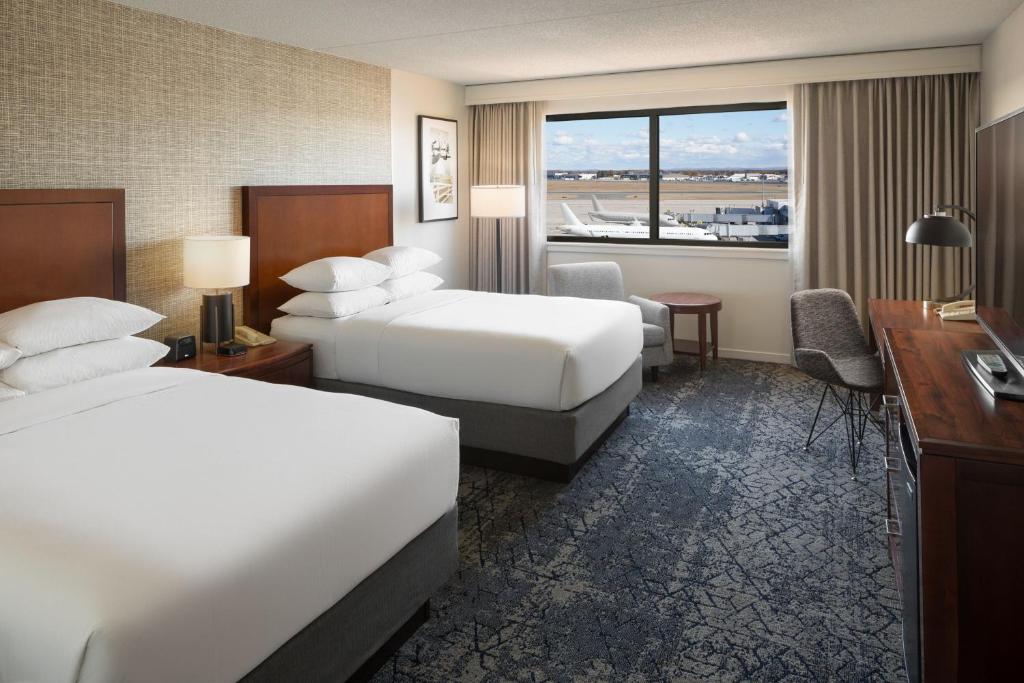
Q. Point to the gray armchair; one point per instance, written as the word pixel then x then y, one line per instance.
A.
pixel 603 280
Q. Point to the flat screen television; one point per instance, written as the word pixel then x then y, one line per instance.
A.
pixel 999 242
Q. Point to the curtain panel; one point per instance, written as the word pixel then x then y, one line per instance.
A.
pixel 506 143
pixel 870 157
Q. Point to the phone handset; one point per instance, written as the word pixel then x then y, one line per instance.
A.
pixel 959 310
pixel 250 337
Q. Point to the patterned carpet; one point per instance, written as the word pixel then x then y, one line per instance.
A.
pixel 701 543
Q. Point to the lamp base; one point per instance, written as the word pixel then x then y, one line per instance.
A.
pixel 231 349
pixel 217 318
pixel 931 304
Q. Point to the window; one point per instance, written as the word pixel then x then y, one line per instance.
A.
pixel 711 175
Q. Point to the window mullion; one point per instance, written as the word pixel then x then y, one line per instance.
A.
pixel 654 185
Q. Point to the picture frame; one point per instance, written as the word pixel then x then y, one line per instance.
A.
pixel 438 160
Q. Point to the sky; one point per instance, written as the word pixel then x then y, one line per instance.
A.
pixel 737 139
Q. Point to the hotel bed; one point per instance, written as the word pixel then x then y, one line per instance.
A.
pixel 536 382
pixel 167 525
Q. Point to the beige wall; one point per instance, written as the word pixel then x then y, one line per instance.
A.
pixel 412 95
pixel 1002 68
pixel 93 94
pixel 754 285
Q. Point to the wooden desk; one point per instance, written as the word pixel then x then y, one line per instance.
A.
pixel 961 552
pixel 886 314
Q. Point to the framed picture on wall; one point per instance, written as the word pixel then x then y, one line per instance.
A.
pixel 439 169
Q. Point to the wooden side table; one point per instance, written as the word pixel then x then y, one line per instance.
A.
pixel 701 305
pixel 279 363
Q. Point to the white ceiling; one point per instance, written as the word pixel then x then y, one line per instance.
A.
pixel 490 41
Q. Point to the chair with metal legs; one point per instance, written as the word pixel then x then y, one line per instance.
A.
pixel 829 345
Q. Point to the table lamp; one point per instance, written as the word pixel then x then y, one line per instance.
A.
pixel 939 229
pixel 497 201
pixel 217 262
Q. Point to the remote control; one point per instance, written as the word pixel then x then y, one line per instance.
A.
pixel 992 363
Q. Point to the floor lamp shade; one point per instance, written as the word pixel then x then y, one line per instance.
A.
pixel 216 262
pixel 497 201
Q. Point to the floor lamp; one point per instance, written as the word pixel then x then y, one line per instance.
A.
pixel 497 201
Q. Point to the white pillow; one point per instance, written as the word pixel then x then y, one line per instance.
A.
pixel 8 392
pixel 8 354
pixel 411 285
pixel 82 362
pixel 404 260
pixel 335 304
pixel 48 325
pixel 337 274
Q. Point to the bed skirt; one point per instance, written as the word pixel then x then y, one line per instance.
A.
pixel 353 638
pixel 551 444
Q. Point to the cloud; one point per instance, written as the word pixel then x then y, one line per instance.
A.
pixel 783 116
pixel 741 137
pixel 562 138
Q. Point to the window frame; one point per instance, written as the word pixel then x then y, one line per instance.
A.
pixel 654 162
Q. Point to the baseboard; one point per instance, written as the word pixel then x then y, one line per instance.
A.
pixel 763 356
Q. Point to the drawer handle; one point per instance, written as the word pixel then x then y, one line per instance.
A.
pixel 892 527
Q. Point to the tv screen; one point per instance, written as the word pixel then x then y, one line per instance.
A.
pixel 999 243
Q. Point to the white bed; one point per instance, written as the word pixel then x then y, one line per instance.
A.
pixel 142 541
pixel 538 352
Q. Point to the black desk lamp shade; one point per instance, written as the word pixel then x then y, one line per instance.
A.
pixel 939 230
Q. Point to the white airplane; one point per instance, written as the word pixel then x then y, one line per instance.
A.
pixel 666 219
pixel 574 226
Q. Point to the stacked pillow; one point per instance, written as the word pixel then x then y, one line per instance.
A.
pixel 340 286
pixel 407 265
pixel 53 343
pixel 336 287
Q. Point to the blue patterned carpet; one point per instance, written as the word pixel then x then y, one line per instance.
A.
pixel 701 543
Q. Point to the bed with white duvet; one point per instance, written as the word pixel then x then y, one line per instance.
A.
pixel 151 534
pixel 547 353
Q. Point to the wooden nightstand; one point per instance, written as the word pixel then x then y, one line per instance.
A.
pixel 280 363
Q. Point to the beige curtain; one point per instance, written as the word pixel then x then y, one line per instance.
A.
pixel 506 149
pixel 870 157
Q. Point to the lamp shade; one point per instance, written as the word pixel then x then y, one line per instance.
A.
pixel 939 230
pixel 497 201
pixel 216 262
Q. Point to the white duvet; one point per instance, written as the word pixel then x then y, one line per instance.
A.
pixel 551 353
pixel 170 525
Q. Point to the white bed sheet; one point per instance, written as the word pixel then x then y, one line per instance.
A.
pixel 170 525
pixel 551 353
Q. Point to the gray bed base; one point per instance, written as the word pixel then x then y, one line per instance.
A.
pixel 356 636
pixel 542 443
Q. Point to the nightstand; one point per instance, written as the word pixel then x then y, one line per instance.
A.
pixel 280 363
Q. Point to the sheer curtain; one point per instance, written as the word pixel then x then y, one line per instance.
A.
pixel 870 157
pixel 506 148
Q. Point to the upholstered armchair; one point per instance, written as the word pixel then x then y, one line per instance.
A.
pixel 603 280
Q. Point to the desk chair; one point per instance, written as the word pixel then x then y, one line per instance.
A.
pixel 829 345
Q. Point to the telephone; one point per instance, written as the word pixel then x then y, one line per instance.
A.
pixel 251 337
pixel 958 310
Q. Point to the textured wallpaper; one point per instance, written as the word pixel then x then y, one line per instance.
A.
pixel 93 94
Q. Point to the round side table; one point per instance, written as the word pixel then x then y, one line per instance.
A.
pixel 701 305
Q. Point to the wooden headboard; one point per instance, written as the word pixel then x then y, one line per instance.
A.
pixel 56 244
pixel 290 225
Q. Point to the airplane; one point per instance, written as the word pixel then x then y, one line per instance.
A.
pixel 574 226
pixel 666 219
